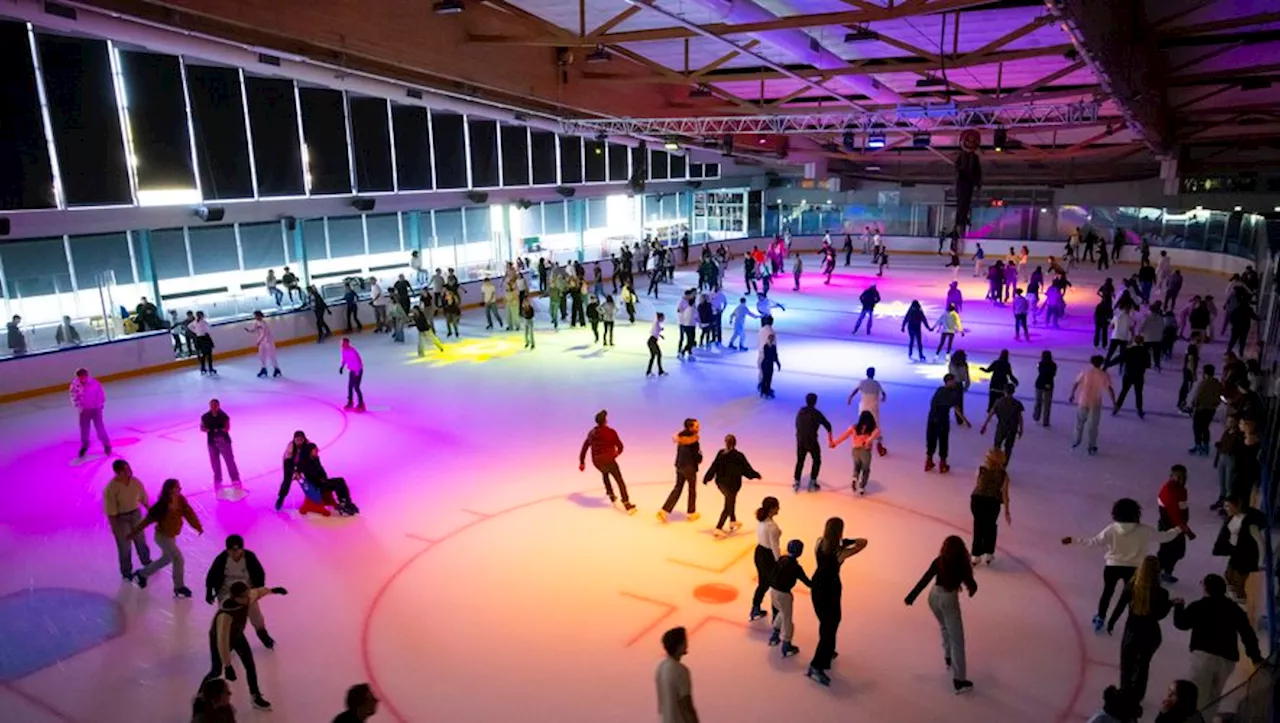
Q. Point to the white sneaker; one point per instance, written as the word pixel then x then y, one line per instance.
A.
pixel 735 526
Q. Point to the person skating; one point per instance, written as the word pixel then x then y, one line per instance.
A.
pixel 990 494
pixel 808 421
pixel 655 350
pixel 168 514
pixel 605 446
pixel 728 469
pixel 353 365
pixel 204 343
pixel 1218 626
pixel 797 269
pixel 226 635
pixel 608 315
pixel 593 316
pixel 949 571
pixel 1148 603
pixel 912 323
pixel 687 319
pixel 1001 371
pixel 1241 541
pixel 1121 331
pixel 301 461
pixel 870 393
pixel 869 298
pixel 238 565
pixel 847 249
pixel 1126 540
pixel 426 330
pixel 379 300
pixel 1046 372
pixel 629 300
pixel 121 502
pixel 675 688
pixel 1088 387
pixel 1020 309
pixel 864 433
pixel 89 399
pixel 266 343
pixel 1135 361
pixel 216 426
pixel 361 703
pixel 937 432
pixel 688 458
pixel 948 326
pixel 831 551
pixel 321 309
pixel 786 573
pixel 351 300
pixel 489 299
pixel 706 316
pixel 1007 412
pixel 452 308
pixel 1173 512
pixel 738 317
pixel 526 314
pixel 768 361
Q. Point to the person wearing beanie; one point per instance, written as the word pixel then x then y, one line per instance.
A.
pixel 605 446
pixel 786 573
pixel 236 564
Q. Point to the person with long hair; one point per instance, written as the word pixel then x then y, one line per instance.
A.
pixel 990 493
pixel 912 323
pixel 168 514
pixel 831 551
pixel 728 469
pixel 872 393
pixel 948 326
pixel 1001 372
pixel 1148 604
pixel 302 462
pixel 768 551
pixel 213 703
pixel 226 635
pixel 864 434
pixel 949 571
pixel 1179 704
pixel 1126 540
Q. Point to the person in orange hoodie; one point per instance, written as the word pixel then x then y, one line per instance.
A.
pixel 167 514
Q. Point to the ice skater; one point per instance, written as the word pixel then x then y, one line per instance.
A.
pixel 688 458
pixel 605 447
pixel 768 361
pixel 767 552
pixel 808 421
pixel 738 317
pixel 168 514
pixel 675 688
pixel 1135 361
pixel 870 393
pixel 937 430
pixel 912 323
pixel 830 552
pixel 1148 603
pixel 797 269
pixel 786 573
pixel 226 635
pixel 954 264
pixel 1173 512
pixel 990 494
pixel 869 298
pixel 1218 627
pixel 1021 307
pixel 955 297
pixel 655 350
pixel 978 256
pixel 863 433
pixel 121 501
pixel 353 365
pixel 238 565
pixel 728 470
pixel 204 343
pixel 216 426
pixel 1089 386
pixel 949 571
pixel 1046 372
pixel 89 399
pixel 948 326
pixel 1007 412
pixel 423 322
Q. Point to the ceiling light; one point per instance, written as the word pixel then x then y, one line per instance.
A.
pixel 1276 209
pixel 875 140
pixel 873 168
pixel 449 7
pixel 700 91
pixel 860 35
pixel 999 139
pixel 1237 208
pixel 1199 208
pixel 930 81
pixel 599 55
pixel 671 146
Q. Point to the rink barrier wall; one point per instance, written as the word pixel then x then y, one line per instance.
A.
pixel 49 372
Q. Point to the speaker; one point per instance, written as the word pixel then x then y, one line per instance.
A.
pixel 566 191
pixel 291 223
pixel 364 205
pixel 477 196
pixel 211 214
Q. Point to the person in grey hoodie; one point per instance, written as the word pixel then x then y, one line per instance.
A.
pixel 1127 541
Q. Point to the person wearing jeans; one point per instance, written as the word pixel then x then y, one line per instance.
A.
pixel 89 398
pixel 688 457
pixel 1089 386
pixel 949 572
pixel 1217 626
pixel 168 514
pixel 353 365
pixel 217 428
pixel 605 446
pixel 990 493
pixel 121 501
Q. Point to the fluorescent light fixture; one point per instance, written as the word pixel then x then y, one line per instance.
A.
pixel 875 140
pixel 1237 208
pixel 1276 209
pixel 1044 210
pixel 671 146
pixel 1199 208
pixel 930 81
pixel 873 168
pixel 168 197
pixel 449 7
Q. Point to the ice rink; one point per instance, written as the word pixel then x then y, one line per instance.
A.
pixel 487 579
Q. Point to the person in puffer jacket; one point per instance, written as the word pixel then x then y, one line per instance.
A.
pixel 605 446
pixel 89 398
pixel 1127 541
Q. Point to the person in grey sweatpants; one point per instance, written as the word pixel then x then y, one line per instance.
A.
pixel 950 571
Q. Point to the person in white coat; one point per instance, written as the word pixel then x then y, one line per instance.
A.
pixel 266 342
pixel 1127 541
pixel 89 398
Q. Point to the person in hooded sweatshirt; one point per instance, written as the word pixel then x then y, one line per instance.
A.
pixel 1127 541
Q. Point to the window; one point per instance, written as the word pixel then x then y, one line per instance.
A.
pixel 157 113
pixel 597 213
pixel 595 171
pixel 711 170
pixel 515 156
pixel 679 167
pixel 542 145
pixel 81 91
pixel 570 160
pixel 35 268
pixel 413 148
pixel 262 245
pixel 277 150
pixel 94 255
pixel 553 218
pixel 619 163
pixel 483 144
pixel 371 137
pixel 448 227
pixel 659 165
pixel 346 237
pixel 169 254
pixel 531 220
pixel 449 144
pixel 477 220
pixel 222 141
pixel 26 173
pixel 313 239
pixel 213 249
pixel 324 131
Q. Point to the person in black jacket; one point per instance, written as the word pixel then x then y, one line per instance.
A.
pixel 786 573
pixel 1148 603
pixel 728 469
pixel 1135 360
pixel 808 420
pixel 236 564
pixel 1217 626
pixel 869 299
pixel 688 457
pixel 1240 540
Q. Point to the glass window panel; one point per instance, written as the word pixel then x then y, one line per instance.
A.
pixel 213 249
pixel 371 137
pixel 157 115
pixel 324 130
pixel 222 141
pixel 531 220
pixel 26 174
pixel 659 165
pixel 711 170
pixel 478 223
pixel 696 170
pixel 261 245
pixel 679 167
pixel 542 146
pixel 515 156
pixel 277 150
pixel 346 237
pixel 449 144
pixel 169 254
pixel 619 162
pixel 313 239
pixel 80 88
pixel 93 255
pixel 553 217
pixel 570 159
pixel 483 135
pixel 597 213
pixel 449 227
pixel 383 232
pixel 413 149
pixel 35 268
pixel 595 160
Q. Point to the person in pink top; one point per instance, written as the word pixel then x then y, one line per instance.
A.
pixel 89 398
pixel 1088 388
pixel 353 365
pixel 864 434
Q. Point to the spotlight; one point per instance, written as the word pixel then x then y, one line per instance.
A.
pixel 1237 208
pixel 860 35
pixel 849 141
pixel 449 7
pixel 930 81
pixel 211 214
pixel 671 146
pixel 999 139
pixel 875 140
pixel 599 55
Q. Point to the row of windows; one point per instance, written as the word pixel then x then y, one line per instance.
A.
pixel 91 123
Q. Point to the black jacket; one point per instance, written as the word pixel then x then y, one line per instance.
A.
pixel 870 298
pixel 728 469
pixel 808 420
pixel 217 573
pixel 1217 626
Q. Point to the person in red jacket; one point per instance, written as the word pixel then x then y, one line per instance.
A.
pixel 605 447
pixel 1173 513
